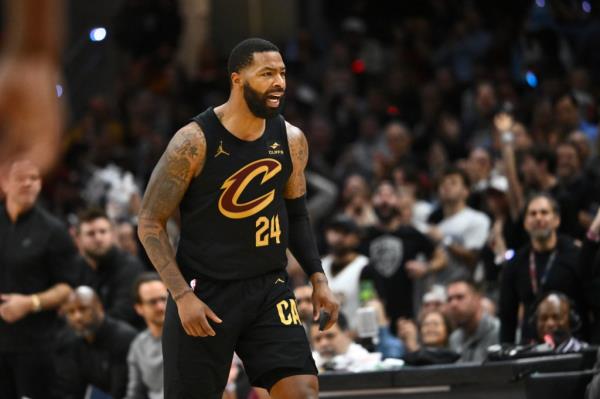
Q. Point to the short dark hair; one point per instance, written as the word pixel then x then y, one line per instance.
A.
pixel 465 279
pixel 90 214
pixel 553 203
pixel 453 170
pixel 543 154
pixel 344 224
pixel 143 278
pixel 242 54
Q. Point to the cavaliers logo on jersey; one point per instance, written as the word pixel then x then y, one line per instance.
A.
pixel 235 185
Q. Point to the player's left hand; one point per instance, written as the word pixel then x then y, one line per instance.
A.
pixel 323 298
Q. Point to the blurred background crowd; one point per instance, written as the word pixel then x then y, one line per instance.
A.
pixel 453 179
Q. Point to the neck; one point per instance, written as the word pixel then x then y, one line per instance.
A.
pixel 344 259
pixel 472 326
pixel 91 262
pixel 392 225
pixel 453 208
pixel 14 210
pixel 155 329
pixel 237 119
pixel 542 245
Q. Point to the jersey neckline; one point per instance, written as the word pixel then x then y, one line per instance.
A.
pixel 235 138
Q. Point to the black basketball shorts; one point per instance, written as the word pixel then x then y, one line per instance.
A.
pixel 260 323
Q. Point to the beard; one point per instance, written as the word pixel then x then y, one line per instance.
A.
pixel 90 329
pixel 340 250
pixel 97 255
pixel 541 234
pixel 257 102
pixel 386 213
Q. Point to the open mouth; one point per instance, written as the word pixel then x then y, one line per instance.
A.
pixel 274 99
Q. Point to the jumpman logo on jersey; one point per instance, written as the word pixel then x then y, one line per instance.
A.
pixel 220 150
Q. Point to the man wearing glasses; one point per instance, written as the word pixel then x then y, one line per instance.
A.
pixel 145 361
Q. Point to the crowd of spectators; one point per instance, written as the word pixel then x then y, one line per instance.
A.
pixel 457 150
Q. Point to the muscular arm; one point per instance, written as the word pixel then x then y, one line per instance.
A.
pixel 296 184
pixel 302 242
pixel 182 160
pixel 301 238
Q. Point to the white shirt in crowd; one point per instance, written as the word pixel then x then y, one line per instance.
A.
pixel 346 285
pixel 468 228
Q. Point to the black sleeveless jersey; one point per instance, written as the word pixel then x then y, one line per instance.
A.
pixel 234 223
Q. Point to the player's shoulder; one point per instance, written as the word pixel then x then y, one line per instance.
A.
pixel 187 147
pixel 294 133
pixel 191 131
pixel 188 140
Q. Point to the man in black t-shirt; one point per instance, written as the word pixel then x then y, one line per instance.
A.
pixel 550 262
pixel 398 254
pixel 38 263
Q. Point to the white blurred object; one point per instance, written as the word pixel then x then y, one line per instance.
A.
pixel 437 293
pixel 116 187
pixel 366 322
pixel 390 363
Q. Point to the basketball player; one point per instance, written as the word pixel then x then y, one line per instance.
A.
pixel 237 174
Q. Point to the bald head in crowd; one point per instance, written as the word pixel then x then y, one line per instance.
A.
pixel 84 312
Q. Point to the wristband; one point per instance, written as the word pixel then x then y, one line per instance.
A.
pixel 36 303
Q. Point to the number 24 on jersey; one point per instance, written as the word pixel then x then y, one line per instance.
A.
pixel 267 230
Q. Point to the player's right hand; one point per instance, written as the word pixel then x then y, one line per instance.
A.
pixel 194 315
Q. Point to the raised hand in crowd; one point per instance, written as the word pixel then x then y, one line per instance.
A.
pixel 408 333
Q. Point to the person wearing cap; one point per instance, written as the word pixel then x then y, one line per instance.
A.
pixel 480 169
pixel 343 264
pixel 434 299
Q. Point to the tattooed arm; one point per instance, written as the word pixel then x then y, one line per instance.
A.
pixel 182 160
pixel 301 238
pixel 296 184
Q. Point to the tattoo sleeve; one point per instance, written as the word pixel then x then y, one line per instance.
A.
pixel 296 184
pixel 182 160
